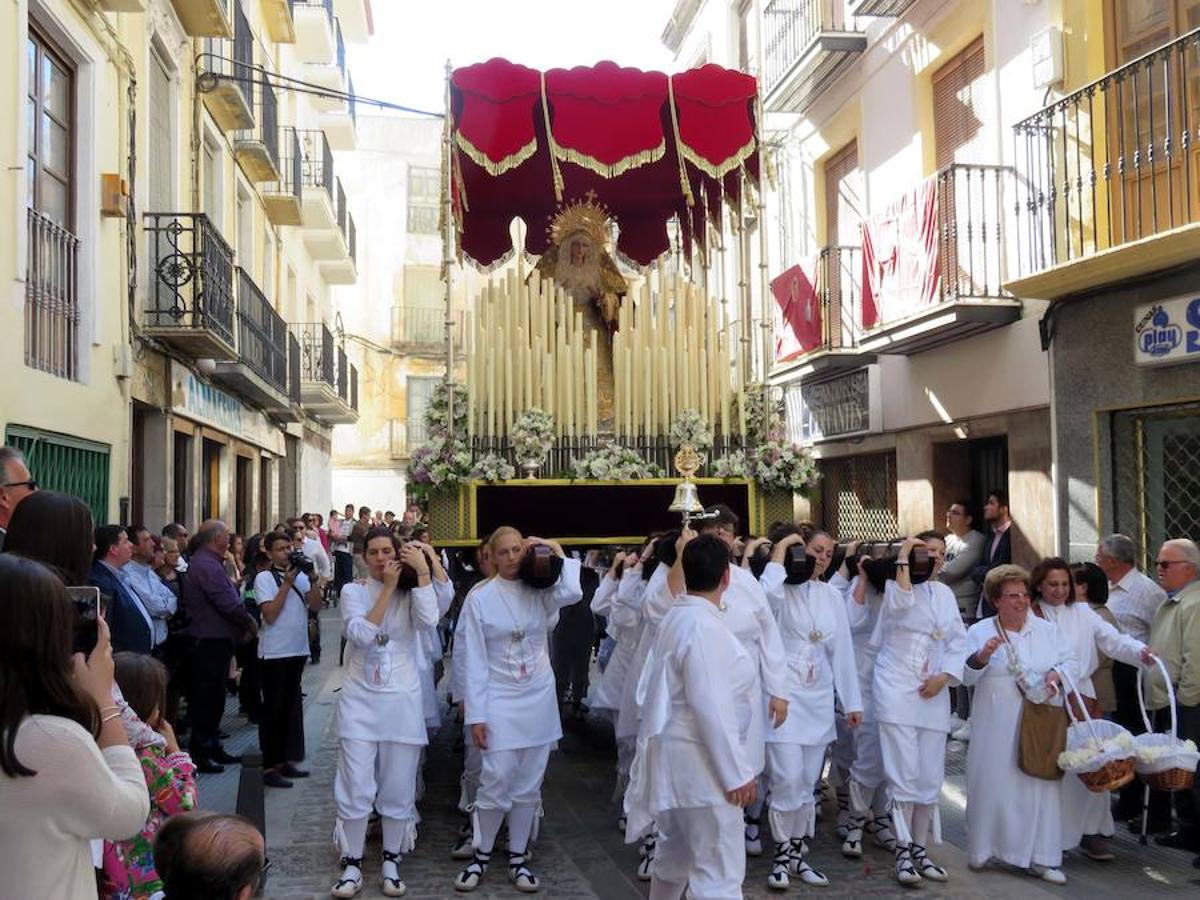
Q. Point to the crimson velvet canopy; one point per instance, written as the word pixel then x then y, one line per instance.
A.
pixel 651 147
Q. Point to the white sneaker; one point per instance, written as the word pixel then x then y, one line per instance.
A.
pixel 351 881
pixel 962 734
pixel 1053 876
pixel 390 882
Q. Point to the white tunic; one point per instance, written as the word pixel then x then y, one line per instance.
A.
pixel 624 628
pixel 698 690
pixel 815 632
pixel 1088 634
pixel 656 601
pixel 381 696
pixel 508 683
pixel 431 652
pixel 1011 817
pixel 863 618
pixel 919 634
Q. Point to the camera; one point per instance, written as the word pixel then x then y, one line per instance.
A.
pixel 301 563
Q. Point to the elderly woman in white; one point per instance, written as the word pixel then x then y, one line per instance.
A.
pixel 1012 817
pixel 1087 819
pixel 922 648
pixel 820 657
pixel 380 714
pixel 509 700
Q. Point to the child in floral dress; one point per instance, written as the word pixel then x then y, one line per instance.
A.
pixel 128 871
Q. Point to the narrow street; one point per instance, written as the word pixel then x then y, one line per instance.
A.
pixel 580 854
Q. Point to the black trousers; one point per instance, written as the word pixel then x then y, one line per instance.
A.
pixel 343 569
pixel 207 670
pixel 250 683
pixel 281 726
pixel 1187 803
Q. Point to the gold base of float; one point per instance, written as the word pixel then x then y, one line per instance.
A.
pixel 463 517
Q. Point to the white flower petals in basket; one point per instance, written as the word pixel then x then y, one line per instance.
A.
pixel 1163 761
pixel 1098 751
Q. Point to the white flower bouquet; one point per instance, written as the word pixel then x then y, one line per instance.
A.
pixel 732 465
pixel 532 435
pixel 1094 752
pixel 493 467
pixel 690 427
pixel 438 465
pixel 612 462
pixel 781 466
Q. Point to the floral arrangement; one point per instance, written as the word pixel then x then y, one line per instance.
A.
pixel 437 420
pixel 532 435
pixel 732 465
pixel 1149 753
pixel 690 427
pixel 782 466
pixel 1094 750
pixel 612 462
pixel 764 414
pixel 439 464
pixel 493 467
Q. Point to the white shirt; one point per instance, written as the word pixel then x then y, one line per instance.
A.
pixel 339 538
pixel 288 634
pixel 1133 601
pixel 157 599
pixel 1086 632
pixel 122 575
pixel 318 557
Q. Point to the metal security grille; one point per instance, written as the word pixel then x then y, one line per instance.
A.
pixel 68 464
pixel 1156 475
pixel 858 496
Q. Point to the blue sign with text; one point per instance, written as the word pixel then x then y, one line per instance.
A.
pixel 1167 332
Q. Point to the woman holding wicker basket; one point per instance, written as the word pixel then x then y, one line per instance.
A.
pixel 1015 659
pixel 1086 814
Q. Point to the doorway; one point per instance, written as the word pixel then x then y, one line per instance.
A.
pixel 181 505
pixel 210 466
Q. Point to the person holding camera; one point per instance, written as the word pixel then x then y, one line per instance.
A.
pixel 509 699
pixel 380 714
pixel 820 657
pixel 922 650
pixel 284 595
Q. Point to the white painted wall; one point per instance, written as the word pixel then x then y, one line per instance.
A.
pixel 377 488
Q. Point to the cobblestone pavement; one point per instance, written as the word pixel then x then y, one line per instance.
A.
pixel 580 854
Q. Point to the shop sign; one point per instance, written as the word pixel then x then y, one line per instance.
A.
pixel 209 405
pixel 838 408
pixel 1167 332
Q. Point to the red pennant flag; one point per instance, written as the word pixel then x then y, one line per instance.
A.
pixel 798 319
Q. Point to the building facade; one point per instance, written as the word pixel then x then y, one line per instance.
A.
pixel 183 235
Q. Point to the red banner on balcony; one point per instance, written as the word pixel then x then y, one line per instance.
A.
pixel 798 319
pixel 901 265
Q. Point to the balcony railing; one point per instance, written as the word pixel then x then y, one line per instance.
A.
pixel 282 199
pixel 354 388
pixel 316 168
pixel 972 210
pixel 191 288
pixel 231 62
pixel 294 368
pixel 839 286
pixel 806 44
pixel 423 329
pixel 1112 163
pixel 340 53
pixel 318 353
pixel 51 297
pixel 343 375
pixel 257 148
pixel 261 334
pixel 326 4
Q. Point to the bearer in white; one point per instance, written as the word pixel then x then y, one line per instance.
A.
pixel 693 771
pixel 380 719
pixel 922 649
pixel 820 656
pixel 509 700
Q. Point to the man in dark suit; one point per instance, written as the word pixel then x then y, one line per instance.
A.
pixel 998 550
pixel 130 624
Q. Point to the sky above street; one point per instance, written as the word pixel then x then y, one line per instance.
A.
pixel 405 61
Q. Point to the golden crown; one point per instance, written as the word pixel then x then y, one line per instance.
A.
pixel 588 215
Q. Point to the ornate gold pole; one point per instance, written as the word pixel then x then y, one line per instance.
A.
pixel 448 249
pixel 687 498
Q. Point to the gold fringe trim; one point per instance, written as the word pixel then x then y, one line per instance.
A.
pixel 620 167
pixel 683 179
pixel 456 171
pixel 494 169
pixel 555 171
pixel 735 161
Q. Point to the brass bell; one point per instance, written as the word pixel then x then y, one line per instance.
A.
pixel 687 499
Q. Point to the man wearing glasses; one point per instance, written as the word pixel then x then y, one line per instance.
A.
pixel 1175 637
pixel 15 485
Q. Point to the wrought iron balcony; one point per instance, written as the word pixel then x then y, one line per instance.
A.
pixel 190 289
pixel 339 120
pixel 319 209
pixel 205 18
pixel 260 372
pixel 294 369
pixel 313 22
pixel 282 198
pixel 277 16
pixel 807 45
pixel 337 248
pixel 257 148
pixel 355 17
pixel 881 8
pixel 421 330
pixel 228 75
pixel 51 297
pixel 1108 176
pixel 324 369
pixel 973 229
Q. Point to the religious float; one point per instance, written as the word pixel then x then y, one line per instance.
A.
pixel 606 359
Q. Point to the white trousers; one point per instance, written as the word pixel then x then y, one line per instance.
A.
pixel 510 783
pixel 915 761
pixel 379 774
pixel 472 767
pixel 701 850
pixel 794 770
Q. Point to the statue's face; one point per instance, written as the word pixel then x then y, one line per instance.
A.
pixel 579 251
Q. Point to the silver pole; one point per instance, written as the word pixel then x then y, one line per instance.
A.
pixel 448 249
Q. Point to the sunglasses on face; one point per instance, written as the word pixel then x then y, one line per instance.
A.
pixel 31 484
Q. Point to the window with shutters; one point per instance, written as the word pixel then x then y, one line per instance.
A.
pixel 1142 25
pixel 960 108
pixel 419 391
pixel 161 145
pixel 50 125
pixel 424 194
pixel 68 464
pixel 843 197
